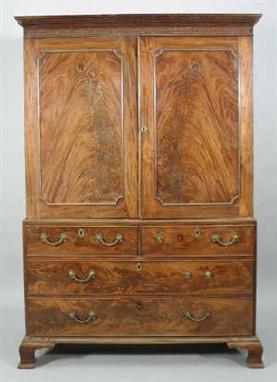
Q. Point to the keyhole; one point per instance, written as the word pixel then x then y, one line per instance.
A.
pixel 197 232
pixel 81 232
pixel 139 267
pixel 143 129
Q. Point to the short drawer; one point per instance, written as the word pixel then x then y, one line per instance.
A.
pixel 130 277
pixel 139 317
pixel 202 240
pixel 57 240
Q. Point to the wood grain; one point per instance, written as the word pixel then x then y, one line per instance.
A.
pixel 140 317
pixel 123 277
pixel 246 102
pixel 144 19
pixel 81 137
pixel 250 343
pixel 245 222
pixel 82 129
pixel 27 352
pixel 182 241
pixel 92 83
pixel 255 351
pixel 139 24
pixel 80 245
pixel 196 111
pixel 175 181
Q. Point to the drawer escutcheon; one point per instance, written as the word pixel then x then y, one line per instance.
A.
pixel 208 274
pixel 187 275
pixel 159 238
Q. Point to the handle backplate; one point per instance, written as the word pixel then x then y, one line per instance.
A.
pixel 217 239
pixel 44 239
pixel 72 274
pixel 189 315
pixel 118 240
pixel 159 238
pixel 208 274
pixel 91 317
pixel 187 275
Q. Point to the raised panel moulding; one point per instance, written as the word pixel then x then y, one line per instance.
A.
pixel 76 80
pixel 183 171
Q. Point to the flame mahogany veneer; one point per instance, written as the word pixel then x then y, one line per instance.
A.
pixel 139 226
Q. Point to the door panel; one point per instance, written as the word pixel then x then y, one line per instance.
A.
pixel 190 105
pixel 86 128
pixel 81 132
pixel 196 126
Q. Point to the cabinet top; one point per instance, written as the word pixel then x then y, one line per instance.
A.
pixel 140 24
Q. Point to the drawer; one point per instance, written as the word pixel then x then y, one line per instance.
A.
pixel 57 240
pixel 202 240
pixel 129 277
pixel 140 317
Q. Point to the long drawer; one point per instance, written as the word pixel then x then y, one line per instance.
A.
pixel 46 276
pixel 59 240
pixel 140 317
pixel 198 240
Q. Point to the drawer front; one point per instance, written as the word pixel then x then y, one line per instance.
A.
pixel 202 240
pixel 87 276
pixel 81 240
pixel 139 317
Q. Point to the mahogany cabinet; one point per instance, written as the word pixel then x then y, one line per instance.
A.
pixel 139 226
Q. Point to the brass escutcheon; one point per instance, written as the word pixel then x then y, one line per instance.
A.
pixel 208 274
pixel 143 129
pixel 139 267
pixel 197 232
pixel 187 275
pixel 159 238
pixel 81 232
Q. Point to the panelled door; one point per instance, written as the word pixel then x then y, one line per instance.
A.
pixel 195 126
pixel 81 129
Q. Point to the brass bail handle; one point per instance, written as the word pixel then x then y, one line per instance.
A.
pixel 90 276
pixel 119 239
pixel 217 239
pixel 189 315
pixel 44 239
pixel 91 317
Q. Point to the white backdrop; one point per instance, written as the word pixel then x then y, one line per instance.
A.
pixel 12 202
